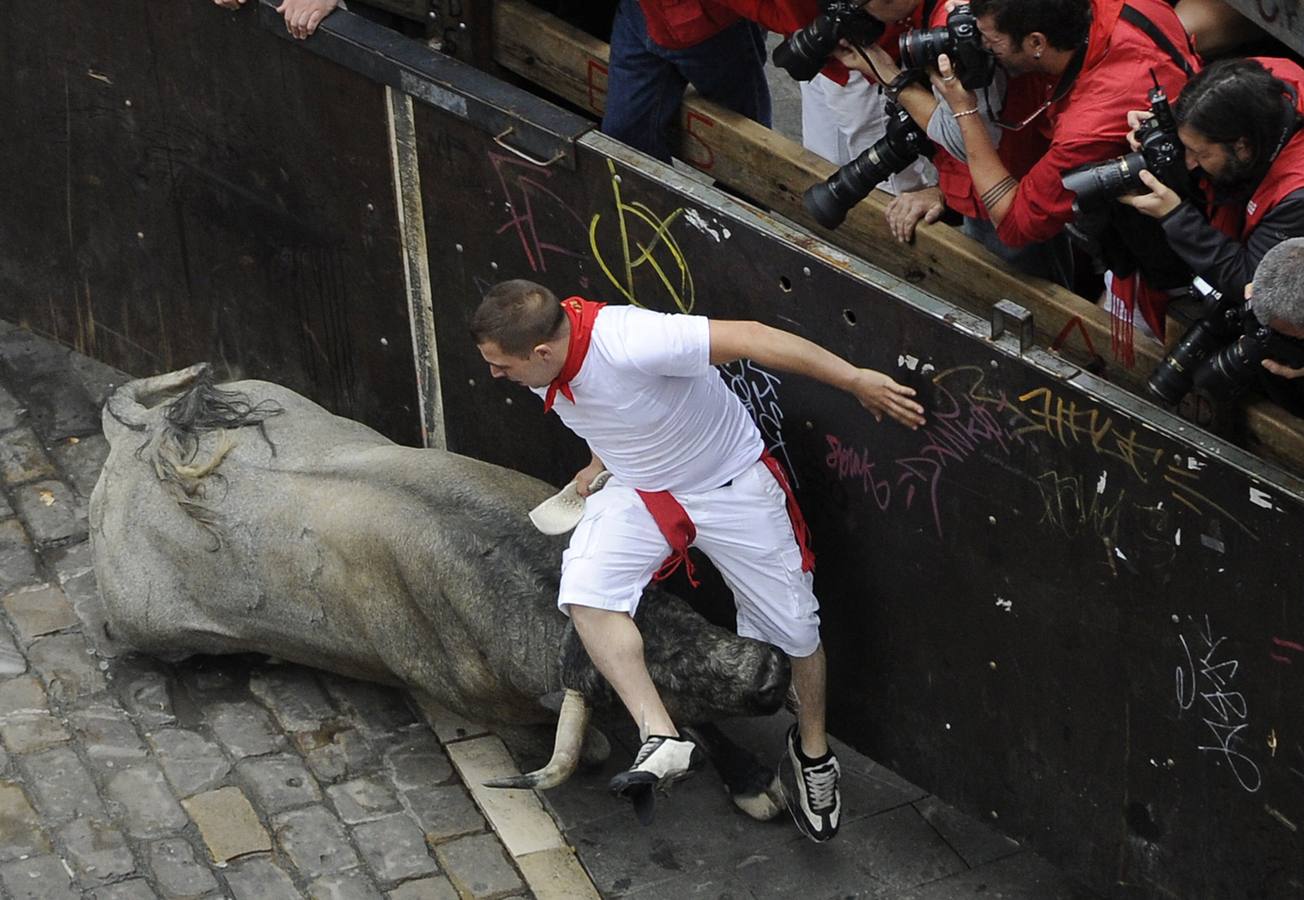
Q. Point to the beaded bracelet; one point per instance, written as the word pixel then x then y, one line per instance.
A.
pixel 962 114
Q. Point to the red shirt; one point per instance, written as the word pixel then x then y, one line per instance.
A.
pixel 1089 124
pixel 679 24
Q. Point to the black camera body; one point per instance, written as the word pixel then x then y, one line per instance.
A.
pixel 1222 352
pixel 1161 153
pixel 960 40
pixel 804 53
pixel 904 142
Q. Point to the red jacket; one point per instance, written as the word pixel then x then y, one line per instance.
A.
pixel 1089 124
pixel 1284 176
pixel 678 24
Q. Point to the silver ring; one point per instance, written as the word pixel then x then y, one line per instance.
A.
pixel 948 78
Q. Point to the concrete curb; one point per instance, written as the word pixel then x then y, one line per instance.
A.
pixel 528 832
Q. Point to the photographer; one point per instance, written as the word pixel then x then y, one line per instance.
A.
pixel 1008 100
pixel 1099 55
pixel 842 108
pixel 844 111
pixel 1239 121
pixel 1277 298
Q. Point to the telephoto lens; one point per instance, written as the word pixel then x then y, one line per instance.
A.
pixel 1173 378
pixel 804 53
pixel 1234 367
pixel 904 142
pixel 1095 184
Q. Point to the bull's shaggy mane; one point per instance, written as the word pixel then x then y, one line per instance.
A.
pixel 174 449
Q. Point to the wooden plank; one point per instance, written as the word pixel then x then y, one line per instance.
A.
pixel 774 170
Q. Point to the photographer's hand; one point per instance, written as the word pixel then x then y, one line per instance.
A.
pixel 949 88
pixel 1134 119
pixel 908 208
pixel 1277 368
pixel 1158 203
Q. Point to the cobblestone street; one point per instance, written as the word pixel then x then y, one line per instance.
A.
pixel 126 777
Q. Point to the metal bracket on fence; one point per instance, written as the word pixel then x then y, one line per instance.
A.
pixel 1009 316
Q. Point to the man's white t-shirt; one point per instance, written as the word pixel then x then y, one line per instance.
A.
pixel 653 408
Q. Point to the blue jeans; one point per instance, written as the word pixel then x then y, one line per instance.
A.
pixel 645 81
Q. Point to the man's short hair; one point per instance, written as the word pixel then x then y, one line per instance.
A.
pixel 1234 99
pixel 517 315
pixel 1066 23
pixel 1279 284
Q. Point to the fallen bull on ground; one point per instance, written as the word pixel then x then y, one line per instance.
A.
pixel 245 518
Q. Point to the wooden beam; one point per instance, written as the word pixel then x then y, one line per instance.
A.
pixel 765 165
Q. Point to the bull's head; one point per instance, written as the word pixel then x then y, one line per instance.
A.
pixel 702 672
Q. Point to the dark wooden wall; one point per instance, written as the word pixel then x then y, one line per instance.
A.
pixel 1055 606
pixel 179 184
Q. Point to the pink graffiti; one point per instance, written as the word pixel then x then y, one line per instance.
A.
pixel 522 192
pixel 1283 644
pixel 963 421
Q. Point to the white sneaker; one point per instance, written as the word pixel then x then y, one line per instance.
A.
pixel 661 761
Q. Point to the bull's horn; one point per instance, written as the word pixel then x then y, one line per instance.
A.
pixel 128 403
pixel 571 725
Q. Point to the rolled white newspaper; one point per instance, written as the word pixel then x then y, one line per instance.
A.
pixel 562 511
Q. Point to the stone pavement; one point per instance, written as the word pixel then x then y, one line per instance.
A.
pixel 125 777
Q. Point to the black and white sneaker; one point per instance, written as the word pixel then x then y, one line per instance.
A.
pixel 814 800
pixel 661 761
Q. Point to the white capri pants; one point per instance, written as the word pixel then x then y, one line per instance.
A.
pixel 743 528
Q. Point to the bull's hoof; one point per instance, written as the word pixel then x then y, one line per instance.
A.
pixel 763 805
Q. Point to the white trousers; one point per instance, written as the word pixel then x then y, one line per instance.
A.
pixel 742 527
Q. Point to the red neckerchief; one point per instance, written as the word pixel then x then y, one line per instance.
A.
pixel 582 314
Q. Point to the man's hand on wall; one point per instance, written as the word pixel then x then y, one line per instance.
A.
pixel 907 209
pixel 881 395
pixel 303 16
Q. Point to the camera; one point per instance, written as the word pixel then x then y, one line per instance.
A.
pixel 804 53
pixel 903 143
pixel 960 40
pixel 1222 352
pixel 1173 378
pixel 1236 365
pixel 1161 153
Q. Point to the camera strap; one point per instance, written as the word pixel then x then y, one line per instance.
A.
pixel 1134 16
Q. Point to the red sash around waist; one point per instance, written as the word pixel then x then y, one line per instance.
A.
pixel 680 532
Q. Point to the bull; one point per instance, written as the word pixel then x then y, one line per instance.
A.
pixel 245 518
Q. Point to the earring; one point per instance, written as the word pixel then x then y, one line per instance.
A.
pixel 1036 54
